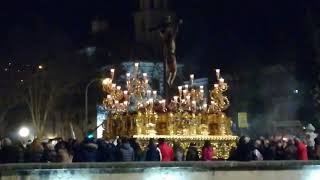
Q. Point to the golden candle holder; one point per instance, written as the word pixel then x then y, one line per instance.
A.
pixel 138 111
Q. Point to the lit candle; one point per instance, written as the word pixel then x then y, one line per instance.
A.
pixel 201 93
pixel 205 105
pixel 201 87
pixel 151 101
pixel 128 75
pixel 194 103
pixel 145 75
pixel 125 103
pixel 191 78
pixel 136 65
pixel 186 86
pixel 146 81
pixel 216 85
pixel 109 96
pixel 180 90
pixel 218 73
pixel 113 85
pixel 175 99
pixel 221 80
pixel 116 102
pixel 184 92
pixel 112 73
pixel 125 93
pixel 188 98
pixel 154 94
pixel 119 88
pixel 106 81
pixel 148 93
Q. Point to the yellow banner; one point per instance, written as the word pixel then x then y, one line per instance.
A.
pixel 242 120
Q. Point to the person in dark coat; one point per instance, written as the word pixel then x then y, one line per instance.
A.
pixel 126 151
pixel 192 153
pixel 137 149
pixel 10 153
pixel 76 152
pixel 49 153
pixel 178 152
pixel 268 152
pixel 290 151
pixel 279 152
pixel 35 151
pixel 89 150
pixel 106 151
pixel 243 151
pixel 153 152
pixel 118 146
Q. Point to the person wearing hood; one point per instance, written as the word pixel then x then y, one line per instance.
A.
pixel 153 152
pixel 192 153
pixel 126 151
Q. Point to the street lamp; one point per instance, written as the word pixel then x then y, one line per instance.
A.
pixel 24 132
pixel 86 98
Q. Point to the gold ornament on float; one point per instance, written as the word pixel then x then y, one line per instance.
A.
pixel 138 111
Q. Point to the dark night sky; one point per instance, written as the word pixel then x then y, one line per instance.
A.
pixel 228 32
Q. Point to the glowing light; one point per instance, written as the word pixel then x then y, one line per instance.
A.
pixel 106 81
pixel 24 132
pixel 40 67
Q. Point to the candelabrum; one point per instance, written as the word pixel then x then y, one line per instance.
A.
pixel 138 109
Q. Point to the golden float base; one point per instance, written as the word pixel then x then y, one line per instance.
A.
pixel 221 144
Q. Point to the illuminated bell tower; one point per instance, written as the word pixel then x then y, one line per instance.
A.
pixel 150 14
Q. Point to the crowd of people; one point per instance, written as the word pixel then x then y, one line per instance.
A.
pixel 100 150
pixel 129 149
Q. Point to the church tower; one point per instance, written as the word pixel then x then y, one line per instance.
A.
pixel 150 14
